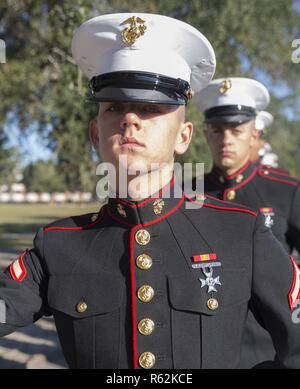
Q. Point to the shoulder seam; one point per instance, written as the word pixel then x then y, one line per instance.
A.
pixel 219 207
pixel 277 179
pixel 58 228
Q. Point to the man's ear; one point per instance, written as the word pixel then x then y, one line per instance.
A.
pixel 93 133
pixel 184 138
pixel 254 136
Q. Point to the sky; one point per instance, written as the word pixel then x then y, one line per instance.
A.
pixel 32 147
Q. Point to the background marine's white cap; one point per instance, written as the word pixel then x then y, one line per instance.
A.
pixel 140 57
pixel 263 120
pixel 232 100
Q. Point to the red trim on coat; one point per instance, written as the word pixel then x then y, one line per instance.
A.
pixel 248 179
pixel 284 174
pixel 260 172
pixel 293 302
pixel 222 208
pixel 46 229
pixel 132 277
pixel 149 223
pixel 22 266
pixel 133 299
pixel 241 170
pixel 155 196
pixel 111 215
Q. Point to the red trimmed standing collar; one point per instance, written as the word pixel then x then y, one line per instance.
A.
pixel 236 180
pixel 152 209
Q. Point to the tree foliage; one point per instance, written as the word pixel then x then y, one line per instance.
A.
pixel 43 176
pixel 40 82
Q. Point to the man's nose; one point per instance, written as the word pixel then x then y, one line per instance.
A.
pixel 227 137
pixel 130 119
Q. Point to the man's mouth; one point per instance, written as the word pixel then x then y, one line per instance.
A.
pixel 132 142
pixel 226 153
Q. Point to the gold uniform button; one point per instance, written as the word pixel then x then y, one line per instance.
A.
pixel 231 195
pixel 144 262
pixel 81 307
pixel 142 237
pixel 147 360
pixel 212 304
pixel 146 326
pixel 222 179
pixel 145 293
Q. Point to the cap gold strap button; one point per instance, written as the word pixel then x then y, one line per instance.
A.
pixel 146 326
pixel 212 304
pixel 81 307
pixel 145 293
pixel 144 262
pixel 142 237
pixel 147 360
pixel 231 195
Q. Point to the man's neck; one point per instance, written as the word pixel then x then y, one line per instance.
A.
pixel 232 171
pixel 146 185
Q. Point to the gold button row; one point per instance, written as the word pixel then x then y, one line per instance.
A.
pixel 145 294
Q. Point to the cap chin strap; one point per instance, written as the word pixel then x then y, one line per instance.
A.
pixel 230 114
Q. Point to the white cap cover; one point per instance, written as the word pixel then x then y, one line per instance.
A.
pixel 142 44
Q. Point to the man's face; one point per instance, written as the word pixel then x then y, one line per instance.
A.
pixel 257 146
pixel 143 132
pixel 230 144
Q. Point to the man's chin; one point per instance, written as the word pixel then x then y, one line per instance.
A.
pixel 226 163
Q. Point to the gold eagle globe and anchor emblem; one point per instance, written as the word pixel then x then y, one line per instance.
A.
pixel 226 85
pixel 158 206
pixel 121 210
pixel 134 31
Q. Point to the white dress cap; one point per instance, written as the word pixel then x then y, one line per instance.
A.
pixel 263 120
pixel 233 99
pixel 142 44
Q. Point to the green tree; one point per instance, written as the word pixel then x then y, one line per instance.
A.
pixel 8 161
pixel 40 82
pixel 43 176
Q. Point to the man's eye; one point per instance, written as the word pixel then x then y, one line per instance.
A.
pixel 151 109
pixel 114 108
pixel 237 132
pixel 216 131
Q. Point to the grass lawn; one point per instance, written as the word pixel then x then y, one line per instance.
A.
pixel 18 222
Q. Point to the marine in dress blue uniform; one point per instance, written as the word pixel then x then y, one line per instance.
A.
pixel 230 103
pixel 164 282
